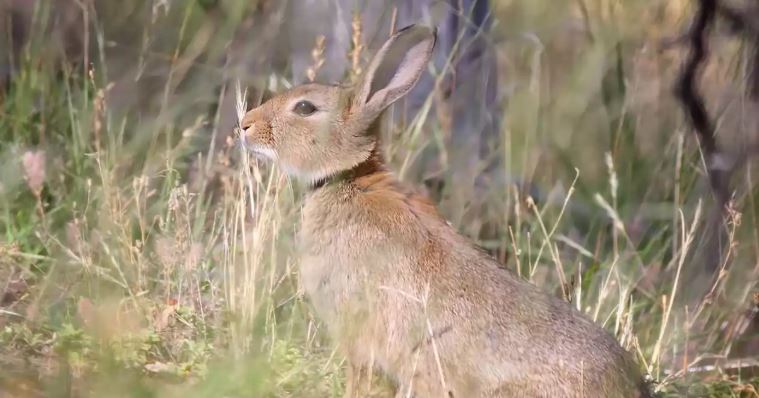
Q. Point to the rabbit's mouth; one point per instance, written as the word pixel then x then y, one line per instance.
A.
pixel 263 152
pixel 260 151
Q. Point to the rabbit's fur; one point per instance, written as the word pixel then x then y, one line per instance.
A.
pixel 399 289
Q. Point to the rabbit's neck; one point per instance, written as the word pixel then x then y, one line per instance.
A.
pixel 369 169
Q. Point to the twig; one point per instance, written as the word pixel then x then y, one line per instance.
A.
pixel 394 21
pixel 731 364
pixel 693 104
pixel 740 21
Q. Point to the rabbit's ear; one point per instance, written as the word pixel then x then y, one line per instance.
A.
pixel 395 69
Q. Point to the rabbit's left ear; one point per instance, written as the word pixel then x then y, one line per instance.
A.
pixel 395 69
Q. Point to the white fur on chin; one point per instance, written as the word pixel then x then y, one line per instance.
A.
pixel 309 177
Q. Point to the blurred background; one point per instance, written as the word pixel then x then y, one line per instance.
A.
pixel 144 254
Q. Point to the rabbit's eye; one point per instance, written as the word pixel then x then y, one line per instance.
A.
pixel 304 108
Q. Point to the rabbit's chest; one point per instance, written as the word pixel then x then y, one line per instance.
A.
pixel 338 267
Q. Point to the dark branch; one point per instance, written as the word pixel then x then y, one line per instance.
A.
pixel 740 21
pixel 686 90
pixel 693 104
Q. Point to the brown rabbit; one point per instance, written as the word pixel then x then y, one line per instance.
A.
pixel 399 289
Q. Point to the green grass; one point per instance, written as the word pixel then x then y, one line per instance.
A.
pixel 144 264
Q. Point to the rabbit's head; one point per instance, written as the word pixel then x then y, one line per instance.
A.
pixel 314 131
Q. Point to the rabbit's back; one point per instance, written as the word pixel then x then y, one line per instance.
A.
pixel 401 290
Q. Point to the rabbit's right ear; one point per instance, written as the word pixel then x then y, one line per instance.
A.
pixel 395 69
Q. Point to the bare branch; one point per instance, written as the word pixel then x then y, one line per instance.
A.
pixel 693 104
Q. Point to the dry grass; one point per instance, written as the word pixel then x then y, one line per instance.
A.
pixel 145 254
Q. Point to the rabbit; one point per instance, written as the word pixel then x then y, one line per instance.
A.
pixel 400 291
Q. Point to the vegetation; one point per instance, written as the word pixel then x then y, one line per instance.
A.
pixel 142 255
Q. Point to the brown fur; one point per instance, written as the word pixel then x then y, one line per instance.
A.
pixel 399 289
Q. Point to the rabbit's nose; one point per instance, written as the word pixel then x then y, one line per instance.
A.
pixel 247 127
pixel 246 134
pixel 247 121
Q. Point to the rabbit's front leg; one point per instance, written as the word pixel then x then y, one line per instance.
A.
pixel 357 380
